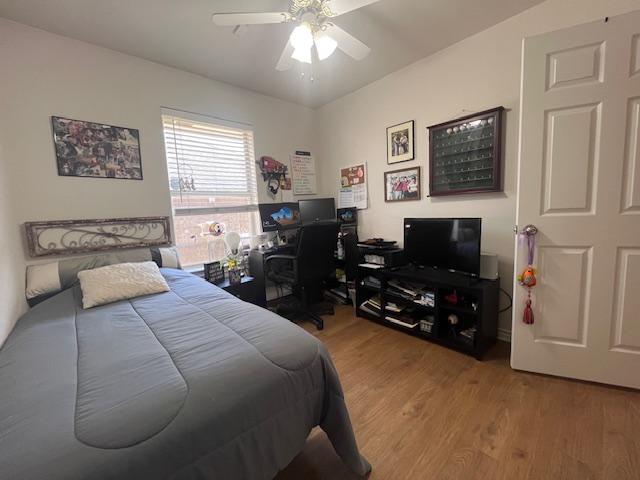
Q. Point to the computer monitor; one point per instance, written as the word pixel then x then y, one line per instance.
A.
pixel 317 210
pixel 348 216
pixel 279 216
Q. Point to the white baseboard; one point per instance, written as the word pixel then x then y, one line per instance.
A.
pixel 504 335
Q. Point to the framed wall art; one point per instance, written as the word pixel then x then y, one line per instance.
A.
pixel 402 185
pixel 69 237
pixel 465 154
pixel 87 149
pixel 400 144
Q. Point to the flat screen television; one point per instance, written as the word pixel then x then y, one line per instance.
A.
pixel 444 243
pixel 317 210
pixel 279 216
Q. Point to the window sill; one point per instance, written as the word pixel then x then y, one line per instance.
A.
pixel 195 269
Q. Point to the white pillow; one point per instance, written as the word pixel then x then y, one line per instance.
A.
pixel 169 257
pixel 121 281
pixel 42 279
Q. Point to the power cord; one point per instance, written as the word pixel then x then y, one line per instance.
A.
pixel 510 301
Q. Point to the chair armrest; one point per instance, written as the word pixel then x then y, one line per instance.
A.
pixel 280 257
pixel 292 258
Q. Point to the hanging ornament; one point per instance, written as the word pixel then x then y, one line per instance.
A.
pixel 528 277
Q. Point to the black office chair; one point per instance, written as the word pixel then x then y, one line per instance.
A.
pixel 307 271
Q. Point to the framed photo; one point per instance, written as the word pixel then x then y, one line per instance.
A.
pixel 87 149
pixel 400 145
pixel 402 185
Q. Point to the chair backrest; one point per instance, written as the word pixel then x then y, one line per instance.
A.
pixel 351 250
pixel 316 251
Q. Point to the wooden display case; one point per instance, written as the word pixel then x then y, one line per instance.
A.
pixel 465 154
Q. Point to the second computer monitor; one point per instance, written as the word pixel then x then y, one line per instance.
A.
pixel 317 210
pixel 279 216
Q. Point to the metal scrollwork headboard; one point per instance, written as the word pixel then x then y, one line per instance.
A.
pixel 65 237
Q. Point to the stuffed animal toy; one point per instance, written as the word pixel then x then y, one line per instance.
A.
pixel 528 277
pixel 216 229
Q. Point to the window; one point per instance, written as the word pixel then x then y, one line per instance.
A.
pixel 212 180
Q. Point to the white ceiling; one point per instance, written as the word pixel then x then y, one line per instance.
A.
pixel 179 33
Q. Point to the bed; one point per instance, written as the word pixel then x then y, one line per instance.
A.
pixel 187 384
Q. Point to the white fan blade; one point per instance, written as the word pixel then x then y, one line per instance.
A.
pixel 339 7
pixel 285 62
pixel 347 42
pixel 233 19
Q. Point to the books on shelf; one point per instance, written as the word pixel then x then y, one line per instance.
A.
pixel 371 265
pixel 389 306
pixel 403 287
pixel 377 244
pixel 375 301
pixel 367 307
pixel 392 307
pixel 372 282
pixel 373 307
pixel 426 298
pixel 410 323
pixel 469 333
pixel 415 293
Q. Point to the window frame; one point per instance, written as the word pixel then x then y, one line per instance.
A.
pixel 251 207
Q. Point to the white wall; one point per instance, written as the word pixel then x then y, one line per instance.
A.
pixel 478 73
pixel 10 292
pixel 45 75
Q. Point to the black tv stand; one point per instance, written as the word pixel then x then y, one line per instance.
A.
pixel 440 275
pixel 476 308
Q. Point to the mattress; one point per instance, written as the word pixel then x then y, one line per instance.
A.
pixel 188 384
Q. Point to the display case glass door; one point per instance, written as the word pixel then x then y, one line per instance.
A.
pixel 465 154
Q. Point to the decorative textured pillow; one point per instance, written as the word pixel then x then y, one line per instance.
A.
pixel 119 282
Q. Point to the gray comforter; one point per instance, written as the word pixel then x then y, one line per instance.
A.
pixel 188 384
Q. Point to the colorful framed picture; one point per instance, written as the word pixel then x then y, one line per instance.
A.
pixel 402 185
pixel 87 149
pixel 400 144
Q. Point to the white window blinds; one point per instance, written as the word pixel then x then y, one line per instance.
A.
pixel 211 165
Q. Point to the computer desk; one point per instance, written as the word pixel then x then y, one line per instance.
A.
pixel 257 260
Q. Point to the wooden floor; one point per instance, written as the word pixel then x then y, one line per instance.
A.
pixel 421 411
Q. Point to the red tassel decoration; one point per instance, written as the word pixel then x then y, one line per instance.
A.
pixel 527 317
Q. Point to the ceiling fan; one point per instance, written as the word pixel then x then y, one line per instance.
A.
pixel 314 34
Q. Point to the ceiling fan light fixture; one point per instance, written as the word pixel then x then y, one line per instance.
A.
pixel 325 45
pixel 302 55
pixel 302 38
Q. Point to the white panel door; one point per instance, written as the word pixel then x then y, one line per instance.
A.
pixel 579 183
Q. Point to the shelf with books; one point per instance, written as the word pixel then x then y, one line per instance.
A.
pixel 460 314
pixel 418 308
